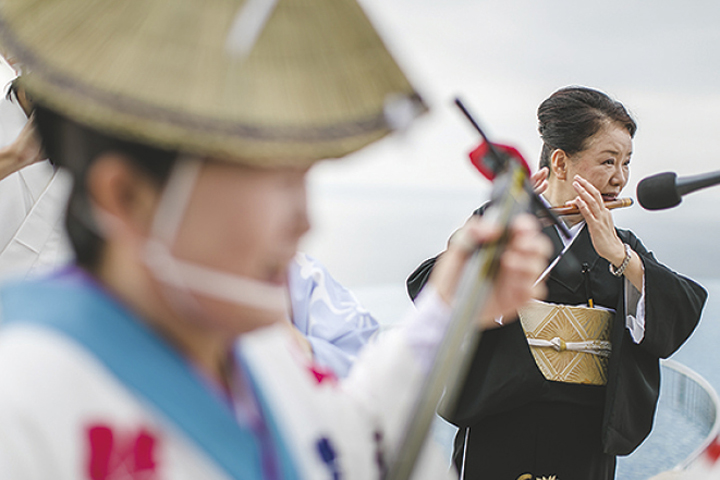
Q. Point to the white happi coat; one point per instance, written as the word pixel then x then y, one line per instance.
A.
pixel 364 415
pixel 58 397
pixel 67 413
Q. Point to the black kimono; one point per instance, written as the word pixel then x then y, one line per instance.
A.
pixel 523 426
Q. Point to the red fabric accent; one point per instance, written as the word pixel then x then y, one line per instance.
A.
pixel 101 445
pixel 121 454
pixel 322 374
pixel 477 158
pixel 144 447
pixel 713 450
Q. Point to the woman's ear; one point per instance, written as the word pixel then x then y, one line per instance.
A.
pixel 122 192
pixel 559 164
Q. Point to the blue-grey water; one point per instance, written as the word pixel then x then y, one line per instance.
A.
pixel 702 350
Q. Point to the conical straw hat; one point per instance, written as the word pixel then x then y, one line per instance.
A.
pixel 260 82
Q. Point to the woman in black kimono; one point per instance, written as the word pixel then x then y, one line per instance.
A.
pixel 518 418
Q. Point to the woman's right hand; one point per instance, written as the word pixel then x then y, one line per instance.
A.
pixel 539 180
pixel 524 259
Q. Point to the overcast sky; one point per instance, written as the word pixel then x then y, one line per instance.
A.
pixel 382 210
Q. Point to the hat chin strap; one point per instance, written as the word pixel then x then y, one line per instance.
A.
pixel 192 277
pixel 213 283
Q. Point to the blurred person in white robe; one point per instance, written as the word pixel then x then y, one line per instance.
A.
pixel 32 193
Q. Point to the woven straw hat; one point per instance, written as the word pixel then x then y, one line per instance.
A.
pixel 259 82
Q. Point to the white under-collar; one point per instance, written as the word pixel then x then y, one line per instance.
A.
pixel 574 230
pixel 567 243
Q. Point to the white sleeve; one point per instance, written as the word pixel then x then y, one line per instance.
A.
pixel 425 328
pixel 395 365
pixel 22 456
pixel 635 311
pixel 365 415
pixel 388 377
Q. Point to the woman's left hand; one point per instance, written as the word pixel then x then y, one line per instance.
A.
pixel 599 221
pixel 602 231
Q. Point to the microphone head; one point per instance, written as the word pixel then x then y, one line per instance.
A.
pixel 658 191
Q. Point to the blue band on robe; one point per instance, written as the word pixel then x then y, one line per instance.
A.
pixel 147 366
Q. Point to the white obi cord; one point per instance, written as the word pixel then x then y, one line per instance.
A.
pixel 594 347
pixel 190 276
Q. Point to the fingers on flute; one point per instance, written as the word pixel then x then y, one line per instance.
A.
pixel 539 180
pixel 581 188
pixel 587 190
pixel 589 201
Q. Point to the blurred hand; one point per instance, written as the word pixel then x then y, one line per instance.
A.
pixel 24 151
pixel 303 343
pixel 524 259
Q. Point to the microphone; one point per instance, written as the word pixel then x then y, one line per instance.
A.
pixel 665 190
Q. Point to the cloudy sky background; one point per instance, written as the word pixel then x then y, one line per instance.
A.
pixel 380 212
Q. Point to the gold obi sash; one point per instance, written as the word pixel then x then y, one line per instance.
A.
pixel 570 344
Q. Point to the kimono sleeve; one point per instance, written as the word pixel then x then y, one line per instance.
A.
pixel 419 277
pixel 673 304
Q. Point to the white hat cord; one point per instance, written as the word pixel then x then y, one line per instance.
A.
pixel 190 276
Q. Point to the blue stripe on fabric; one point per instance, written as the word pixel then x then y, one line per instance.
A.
pixel 146 365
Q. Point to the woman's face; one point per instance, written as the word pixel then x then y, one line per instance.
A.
pixel 605 162
pixel 243 221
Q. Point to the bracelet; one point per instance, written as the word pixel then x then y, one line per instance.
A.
pixel 621 269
